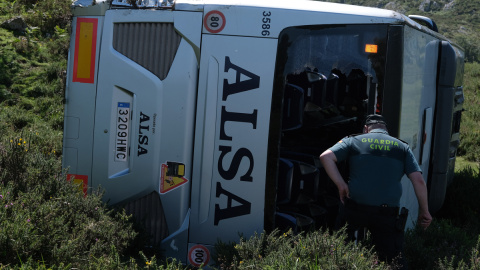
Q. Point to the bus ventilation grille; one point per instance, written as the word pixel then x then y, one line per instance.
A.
pixel 151 45
pixel 148 211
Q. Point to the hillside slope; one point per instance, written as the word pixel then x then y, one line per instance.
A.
pixel 458 20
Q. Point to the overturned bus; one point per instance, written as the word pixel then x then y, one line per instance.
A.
pixel 205 119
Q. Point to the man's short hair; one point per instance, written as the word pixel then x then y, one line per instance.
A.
pixel 375 119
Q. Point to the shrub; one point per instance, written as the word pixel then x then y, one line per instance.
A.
pixel 441 240
pixel 448 242
pixel 313 250
pixel 462 203
pixel 472 264
pixel 45 218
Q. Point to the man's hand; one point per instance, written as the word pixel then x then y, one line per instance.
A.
pixel 329 162
pixel 343 191
pixel 424 219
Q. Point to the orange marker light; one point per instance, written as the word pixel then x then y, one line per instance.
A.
pixel 85 49
pixel 371 48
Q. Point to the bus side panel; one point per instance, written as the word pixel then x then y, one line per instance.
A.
pixel 231 138
pixel 447 127
pixel 420 61
pixel 80 96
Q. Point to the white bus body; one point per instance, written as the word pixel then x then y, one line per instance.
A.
pixel 205 119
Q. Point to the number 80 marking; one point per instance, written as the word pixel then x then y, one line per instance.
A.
pixel 214 21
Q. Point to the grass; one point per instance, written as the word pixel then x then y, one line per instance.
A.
pixel 448 242
pixel 462 164
pixel 469 130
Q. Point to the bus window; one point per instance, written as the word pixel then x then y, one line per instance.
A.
pixel 340 70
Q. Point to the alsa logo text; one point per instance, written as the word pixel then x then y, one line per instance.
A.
pixel 230 170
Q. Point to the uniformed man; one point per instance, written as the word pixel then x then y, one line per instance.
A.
pixel 377 163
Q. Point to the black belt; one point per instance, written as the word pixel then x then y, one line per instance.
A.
pixel 381 210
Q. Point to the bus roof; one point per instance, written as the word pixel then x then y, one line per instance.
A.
pixel 375 15
pixel 307 5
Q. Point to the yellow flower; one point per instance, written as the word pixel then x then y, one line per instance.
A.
pixel 241 262
pixel 148 262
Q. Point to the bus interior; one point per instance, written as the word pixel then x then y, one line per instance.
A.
pixel 332 78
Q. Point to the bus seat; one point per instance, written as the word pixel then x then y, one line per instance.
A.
pixel 284 182
pixel 295 221
pixel 298 182
pixel 284 222
pixel 293 104
pixel 305 183
pixel 303 157
pixel 316 89
pixel 332 89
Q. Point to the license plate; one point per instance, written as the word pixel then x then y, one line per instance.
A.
pixel 123 122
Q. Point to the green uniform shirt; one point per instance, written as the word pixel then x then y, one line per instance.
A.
pixel 377 163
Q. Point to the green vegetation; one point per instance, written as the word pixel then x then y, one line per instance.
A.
pixel 43 217
pixel 457 20
pixel 470 131
pixel 453 239
pixel 32 73
pixel 446 244
pixel 47 223
pixel 314 250
pixel 462 164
